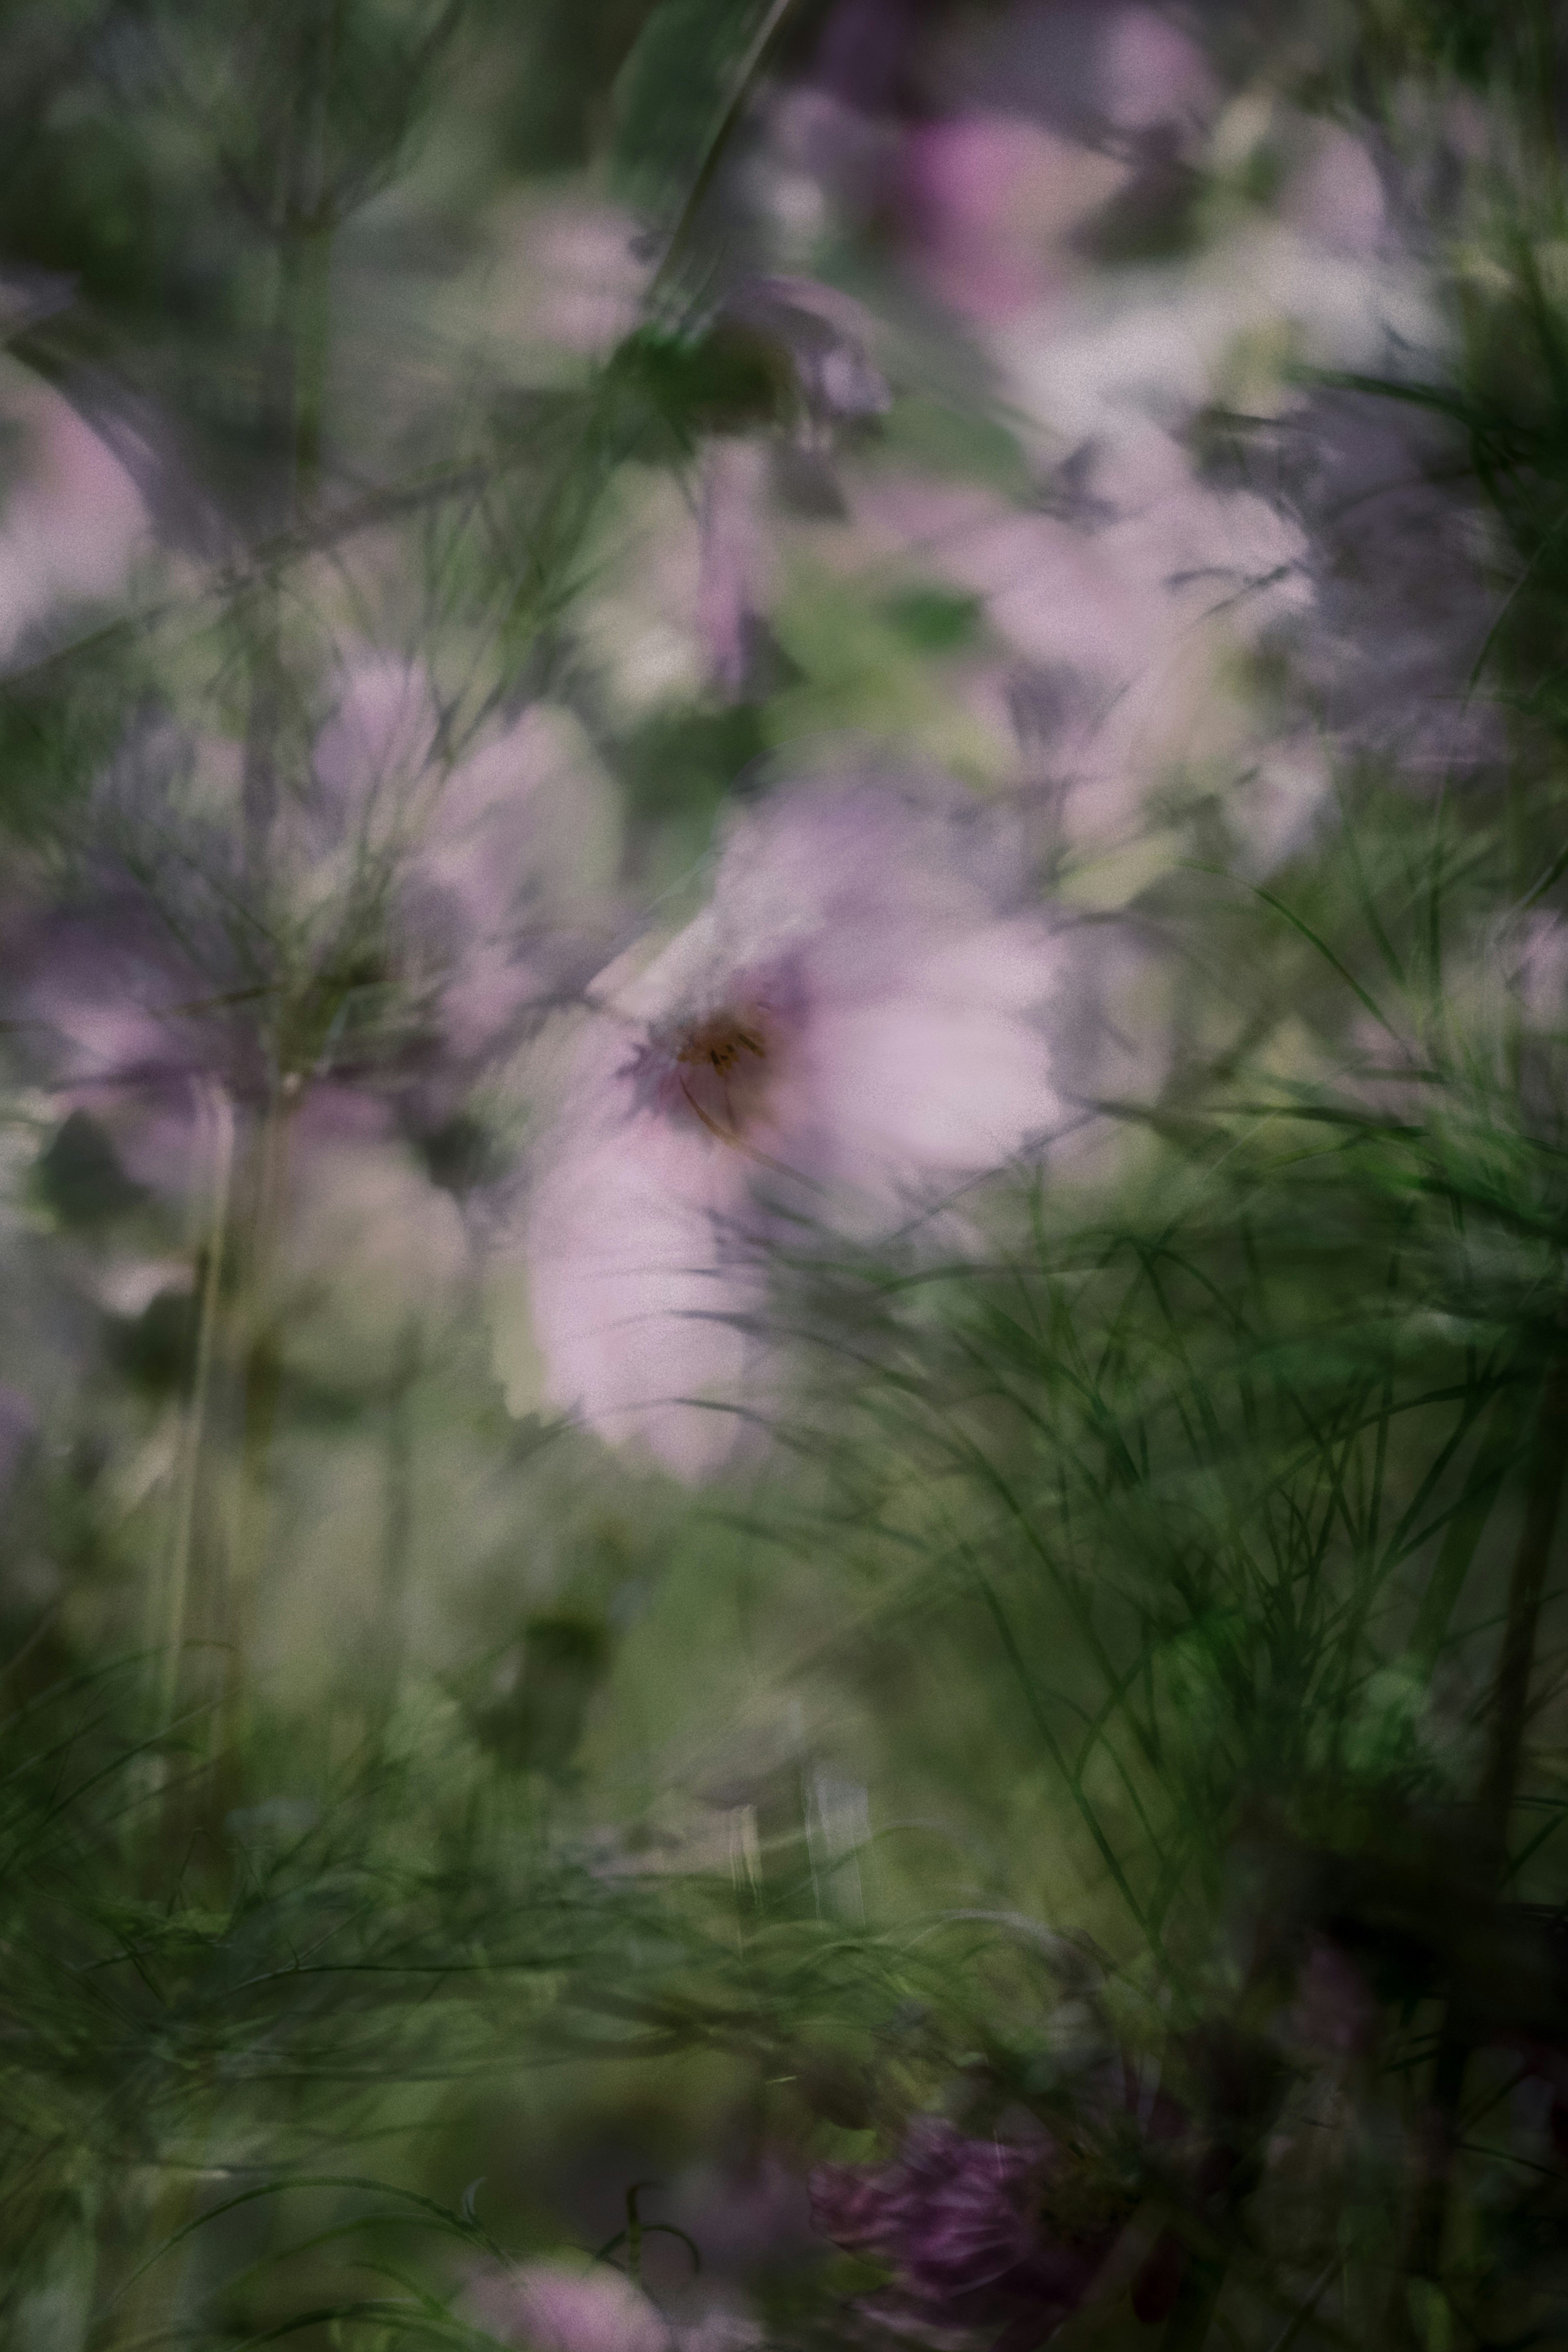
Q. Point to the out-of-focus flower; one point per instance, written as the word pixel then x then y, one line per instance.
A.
pixel 306 1022
pixel 484 869
pixel 404 915
pixel 1124 616
pixel 1404 607
pixel 557 2307
pixel 71 522
pixel 1152 76
pixel 849 1021
pixel 554 2307
pixel 1317 282
pixel 992 201
pixel 976 2232
pixel 952 2214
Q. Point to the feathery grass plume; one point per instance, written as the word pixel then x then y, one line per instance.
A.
pixel 211 2037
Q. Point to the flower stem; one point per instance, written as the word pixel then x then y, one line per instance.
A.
pixel 174 1604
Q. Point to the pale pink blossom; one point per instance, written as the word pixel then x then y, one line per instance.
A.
pixel 1337 199
pixel 73 524
pixel 1129 608
pixel 554 2307
pixel 1152 75
pixel 994 200
pixel 589 275
pixel 560 2306
pixel 848 1027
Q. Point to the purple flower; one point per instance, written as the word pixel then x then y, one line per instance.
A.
pixel 975 2231
pixel 951 2214
pixel 850 1018
pixel 484 865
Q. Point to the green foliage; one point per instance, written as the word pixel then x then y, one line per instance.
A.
pixel 723 380
pixel 157 1348
pixel 674 92
pixel 60 718
pixel 555 77
pixel 935 620
pixel 538 1725
pixel 686 762
pixel 78 1179
pixel 221 1990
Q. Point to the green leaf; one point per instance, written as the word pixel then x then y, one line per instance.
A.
pixel 674 90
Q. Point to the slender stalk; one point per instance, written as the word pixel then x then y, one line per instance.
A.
pixel 255 1388
pixel 295 402
pixel 398 1528
pixel 310 261
pixel 174 1601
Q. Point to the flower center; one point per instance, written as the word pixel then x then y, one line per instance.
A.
pixel 721 1072
pixel 720 1044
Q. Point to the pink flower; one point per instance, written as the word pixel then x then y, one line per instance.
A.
pixel 994 200
pixel 73 524
pixel 554 2307
pixel 848 1024
pixel 489 862
pixel 458 896
pixel 1152 76
pixel 557 2307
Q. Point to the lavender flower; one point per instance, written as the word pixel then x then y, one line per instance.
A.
pixel 850 1018
pixel 406 915
pixel 976 2232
